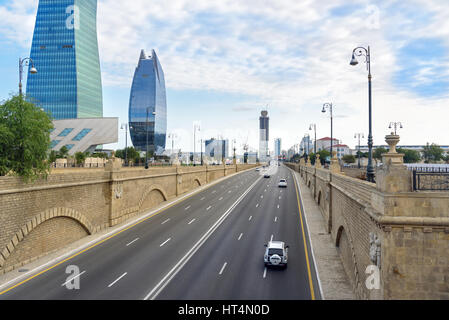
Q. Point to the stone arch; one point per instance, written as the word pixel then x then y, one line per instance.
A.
pixel 38 220
pixel 155 190
pixel 338 238
pixel 319 197
pixel 197 182
pixel 309 183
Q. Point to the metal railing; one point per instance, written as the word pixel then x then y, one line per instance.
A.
pixel 430 178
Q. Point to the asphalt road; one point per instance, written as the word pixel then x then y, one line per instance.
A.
pixel 209 246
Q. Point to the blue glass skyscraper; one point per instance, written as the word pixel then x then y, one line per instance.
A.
pixel 148 105
pixel 65 53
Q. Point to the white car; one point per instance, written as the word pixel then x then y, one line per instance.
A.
pixel 276 254
pixel 283 183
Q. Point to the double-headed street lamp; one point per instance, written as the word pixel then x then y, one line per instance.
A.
pixel 330 106
pixel 33 70
pixel 172 136
pixel 359 136
pixel 125 127
pixel 361 51
pixel 313 125
pixel 195 128
pixel 306 149
pixel 395 125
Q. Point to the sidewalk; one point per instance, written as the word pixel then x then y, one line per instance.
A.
pixel 335 284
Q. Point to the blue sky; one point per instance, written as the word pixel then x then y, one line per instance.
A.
pixel 226 61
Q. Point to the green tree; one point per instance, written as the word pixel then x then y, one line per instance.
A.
pixel 410 156
pixel 324 154
pixel 24 139
pixel 349 158
pixel 80 157
pixel 377 154
pixel 432 153
pixel 52 156
pixel 63 152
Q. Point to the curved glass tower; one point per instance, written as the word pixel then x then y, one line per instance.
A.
pixel 148 105
pixel 65 53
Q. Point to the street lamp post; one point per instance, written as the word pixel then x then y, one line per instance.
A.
pixel 125 126
pixel 146 154
pixel 395 125
pixel 195 127
pixel 33 70
pixel 330 107
pixel 361 51
pixel 202 163
pixel 359 136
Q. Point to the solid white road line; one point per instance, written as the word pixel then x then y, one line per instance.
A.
pixel 71 279
pixel 132 242
pixel 192 221
pixel 164 243
pixel 240 237
pixel 118 279
pixel 222 268
pixel 181 263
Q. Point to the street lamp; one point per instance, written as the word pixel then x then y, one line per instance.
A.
pixel 359 136
pixel 361 51
pixel 395 125
pixel 329 106
pixel 195 127
pixel 306 149
pixel 172 136
pixel 33 70
pixel 146 154
pixel 125 126
pixel 313 125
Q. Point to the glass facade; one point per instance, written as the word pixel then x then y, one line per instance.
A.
pixel 148 106
pixel 65 53
pixel 81 135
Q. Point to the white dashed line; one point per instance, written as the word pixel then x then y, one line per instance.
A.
pixel 208 208
pixel 276 219
pixel 222 268
pixel 250 218
pixel 279 206
pixel 71 279
pixel 280 198
pixel 164 243
pixel 188 208
pixel 165 221
pixel 265 273
pixel 132 242
pixel 202 199
pixel 257 205
pixel 240 237
pixel 220 199
pixel 214 191
pixel 261 197
pixel 192 221
pixel 271 238
pixel 117 279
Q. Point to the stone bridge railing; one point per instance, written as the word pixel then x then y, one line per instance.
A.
pixel 41 218
pixel 385 227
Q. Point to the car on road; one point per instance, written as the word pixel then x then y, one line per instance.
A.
pixel 266 175
pixel 257 169
pixel 283 183
pixel 276 254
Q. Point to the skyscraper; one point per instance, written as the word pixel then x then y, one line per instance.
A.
pixel 65 52
pixel 217 149
pixel 264 136
pixel 277 147
pixel 148 105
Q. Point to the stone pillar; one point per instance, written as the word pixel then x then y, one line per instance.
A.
pixel 178 180
pixel 393 175
pixel 335 166
pixel 308 164
pixel 113 166
pixel 318 162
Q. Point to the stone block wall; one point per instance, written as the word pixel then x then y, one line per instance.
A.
pixel 42 217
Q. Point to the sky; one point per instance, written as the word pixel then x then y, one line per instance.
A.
pixel 225 61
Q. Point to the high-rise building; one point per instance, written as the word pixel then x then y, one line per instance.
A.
pixel 148 105
pixel 217 149
pixel 65 53
pixel 277 147
pixel 264 136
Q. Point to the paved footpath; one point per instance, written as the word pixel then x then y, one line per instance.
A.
pixel 334 282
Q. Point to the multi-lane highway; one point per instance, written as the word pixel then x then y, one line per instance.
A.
pixel 209 246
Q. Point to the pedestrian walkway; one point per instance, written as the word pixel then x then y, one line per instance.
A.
pixel 335 284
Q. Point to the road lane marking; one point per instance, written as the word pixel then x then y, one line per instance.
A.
pixel 229 191
pixel 208 208
pixel 265 273
pixel 192 221
pixel 220 199
pixel 271 238
pixel 279 206
pixel 187 208
pixel 117 279
pixel 306 251
pixel 152 295
pixel 165 221
pixel 222 268
pixel 132 242
pixel 261 197
pixel 214 191
pixel 240 237
pixel 164 243
pixel 71 279
pixel 250 218
pixel 202 198
pixel 280 198
pixel 265 190
pixel 257 205
pixel 276 219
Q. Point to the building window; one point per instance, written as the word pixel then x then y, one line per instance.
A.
pixel 54 143
pixel 69 146
pixel 68 46
pixel 65 132
pixel 81 135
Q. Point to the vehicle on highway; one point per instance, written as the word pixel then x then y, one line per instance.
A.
pixel 276 254
pixel 257 169
pixel 283 183
pixel 266 175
